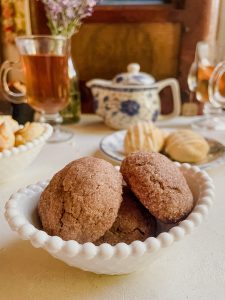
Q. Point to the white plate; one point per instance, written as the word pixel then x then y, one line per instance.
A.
pixel 112 146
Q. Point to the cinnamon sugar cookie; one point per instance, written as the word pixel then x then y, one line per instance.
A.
pixel 159 185
pixel 81 201
pixel 133 222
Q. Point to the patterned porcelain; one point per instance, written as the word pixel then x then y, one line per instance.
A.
pixel 131 97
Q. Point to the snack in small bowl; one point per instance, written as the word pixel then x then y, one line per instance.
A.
pixel 28 133
pixel 19 145
pixel 7 137
pixel 8 127
pixel 8 120
pixel 107 258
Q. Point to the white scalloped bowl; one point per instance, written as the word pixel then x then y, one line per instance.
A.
pixel 21 214
pixel 13 161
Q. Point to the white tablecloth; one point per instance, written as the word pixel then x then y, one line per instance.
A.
pixel 191 269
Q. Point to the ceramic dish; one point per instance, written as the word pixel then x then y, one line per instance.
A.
pixel 21 214
pixel 112 146
pixel 18 158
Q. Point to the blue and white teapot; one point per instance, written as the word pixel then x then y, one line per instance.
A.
pixel 131 97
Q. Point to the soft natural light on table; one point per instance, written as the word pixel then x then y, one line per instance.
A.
pixel 191 269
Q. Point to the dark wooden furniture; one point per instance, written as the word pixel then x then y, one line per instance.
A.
pixel 179 23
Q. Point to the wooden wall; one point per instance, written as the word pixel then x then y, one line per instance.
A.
pixel 162 38
pixel 104 50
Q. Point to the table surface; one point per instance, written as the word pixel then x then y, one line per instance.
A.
pixel 193 268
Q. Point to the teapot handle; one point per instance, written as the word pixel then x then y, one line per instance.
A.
pixel 16 98
pixel 173 83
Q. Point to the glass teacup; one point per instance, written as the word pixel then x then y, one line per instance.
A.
pixel 207 56
pixel 44 62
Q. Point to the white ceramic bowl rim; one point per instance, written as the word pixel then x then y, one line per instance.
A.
pixel 55 244
pixel 29 145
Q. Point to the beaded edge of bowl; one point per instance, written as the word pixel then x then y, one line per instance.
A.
pixel 54 244
pixel 29 145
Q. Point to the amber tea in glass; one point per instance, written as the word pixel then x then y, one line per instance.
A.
pixel 47 82
pixel 45 66
pixel 203 76
pixel 207 56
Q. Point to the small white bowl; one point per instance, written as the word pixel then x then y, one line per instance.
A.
pixel 18 158
pixel 21 214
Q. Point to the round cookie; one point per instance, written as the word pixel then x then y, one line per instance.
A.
pixel 133 222
pixel 159 185
pixel 186 146
pixel 81 201
pixel 143 136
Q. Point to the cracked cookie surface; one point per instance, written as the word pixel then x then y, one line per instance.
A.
pixel 159 185
pixel 82 200
pixel 133 222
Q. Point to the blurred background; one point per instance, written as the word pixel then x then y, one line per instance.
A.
pixel 160 35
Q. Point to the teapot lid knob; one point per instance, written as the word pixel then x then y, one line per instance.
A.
pixel 133 68
pixel 133 77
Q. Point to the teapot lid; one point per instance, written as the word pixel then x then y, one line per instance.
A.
pixel 133 76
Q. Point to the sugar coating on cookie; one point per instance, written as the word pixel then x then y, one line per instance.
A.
pixel 134 222
pixel 82 200
pixel 159 185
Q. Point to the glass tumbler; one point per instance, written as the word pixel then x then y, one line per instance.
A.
pixel 217 88
pixel 44 62
pixel 207 56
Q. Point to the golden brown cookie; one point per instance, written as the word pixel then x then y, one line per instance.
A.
pixel 12 124
pixel 143 136
pixel 28 133
pixel 159 185
pixel 81 201
pixel 7 138
pixel 186 146
pixel 134 222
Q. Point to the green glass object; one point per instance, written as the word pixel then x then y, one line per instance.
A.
pixel 71 114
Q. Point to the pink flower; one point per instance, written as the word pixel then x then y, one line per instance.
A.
pixel 65 15
pixel 91 3
pixel 70 13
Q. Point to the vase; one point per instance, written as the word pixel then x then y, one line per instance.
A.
pixel 71 114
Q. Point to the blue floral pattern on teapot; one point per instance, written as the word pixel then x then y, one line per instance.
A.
pixel 131 97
